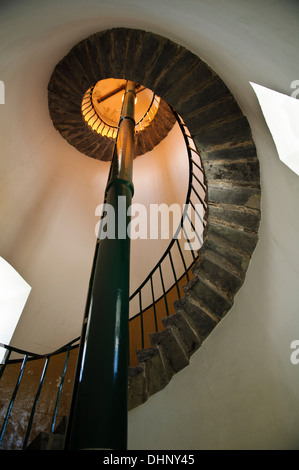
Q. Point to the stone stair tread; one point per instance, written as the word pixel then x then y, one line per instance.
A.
pixel 47 441
pixel 202 322
pixel 213 271
pixel 155 372
pixel 137 387
pixel 198 304
pixel 220 110
pixel 239 240
pixel 167 50
pixel 188 336
pixel 235 216
pixel 206 291
pixel 218 246
pixel 61 427
pixel 241 151
pixel 212 92
pixel 236 194
pixel 221 261
pixel 173 351
pixel 236 171
pixel 200 75
pixel 181 64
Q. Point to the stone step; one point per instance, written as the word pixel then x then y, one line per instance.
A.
pixel 119 50
pixel 163 54
pixel 154 135
pixel 219 273
pixel 47 441
pixel 241 171
pixel 147 54
pixel 137 387
pixel 50 441
pixel 239 240
pixel 159 128
pixel 214 89
pixel 225 249
pixel 207 295
pixel 184 330
pixel 101 149
pixel 94 56
pixel 155 372
pixel 62 70
pixel 133 39
pixel 225 263
pixel 175 71
pixel 221 192
pixel 223 153
pixel 175 357
pixel 235 216
pixel 200 319
pixel 105 62
pixel 223 133
pixel 219 111
pixel 62 426
pixel 200 75
pixel 140 144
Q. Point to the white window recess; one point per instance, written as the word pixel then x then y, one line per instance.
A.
pixel 14 292
pixel 281 113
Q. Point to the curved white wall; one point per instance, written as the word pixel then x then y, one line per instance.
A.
pixel 240 390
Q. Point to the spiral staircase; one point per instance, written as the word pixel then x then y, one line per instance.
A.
pixel 193 94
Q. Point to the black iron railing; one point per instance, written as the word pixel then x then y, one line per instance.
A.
pixel 155 294
pixel 21 362
pixel 177 256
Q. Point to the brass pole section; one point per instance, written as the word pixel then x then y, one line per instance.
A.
pixel 98 416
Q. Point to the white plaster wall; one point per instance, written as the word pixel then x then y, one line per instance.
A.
pixel 240 390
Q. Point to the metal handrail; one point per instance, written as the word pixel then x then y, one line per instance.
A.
pixel 193 179
pixel 28 356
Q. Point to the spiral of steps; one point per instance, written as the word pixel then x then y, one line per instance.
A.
pixel 221 133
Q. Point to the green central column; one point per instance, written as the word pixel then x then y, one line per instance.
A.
pixel 98 416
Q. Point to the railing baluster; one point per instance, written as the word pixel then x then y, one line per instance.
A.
pixel 192 252
pixel 90 117
pixel 198 180
pixel 174 275
pixel 13 398
pixel 193 150
pixel 89 105
pixel 154 304
pixel 183 260
pixel 42 379
pixel 164 293
pixel 196 164
pixel 202 202
pixel 193 228
pixel 60 389
pixel 141 319
pixel 7 354
pixel 196 212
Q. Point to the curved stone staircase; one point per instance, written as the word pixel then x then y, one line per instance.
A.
pixel 218 275
pixel 222 135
